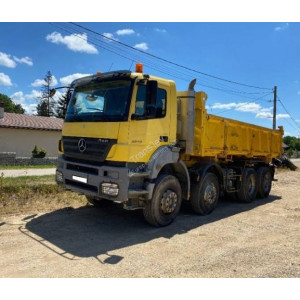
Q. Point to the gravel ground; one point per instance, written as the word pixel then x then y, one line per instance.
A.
pixel 260 239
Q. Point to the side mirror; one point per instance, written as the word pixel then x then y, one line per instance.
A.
pixel 151 92
pixel 52 92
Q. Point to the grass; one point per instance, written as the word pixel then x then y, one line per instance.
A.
pixel 34 194
pixel 27 167
pixel 29 180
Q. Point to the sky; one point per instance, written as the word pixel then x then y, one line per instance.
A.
pixel 262 55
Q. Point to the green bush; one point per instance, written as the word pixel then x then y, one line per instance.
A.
pixel 290 152
pixel 38 152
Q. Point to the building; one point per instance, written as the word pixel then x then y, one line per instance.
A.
pixel 20 133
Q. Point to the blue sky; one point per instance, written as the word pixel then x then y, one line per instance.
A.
pixel 257 54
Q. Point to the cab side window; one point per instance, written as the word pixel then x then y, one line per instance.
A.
pixel 150 112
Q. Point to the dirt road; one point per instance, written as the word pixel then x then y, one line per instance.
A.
pixel 261 239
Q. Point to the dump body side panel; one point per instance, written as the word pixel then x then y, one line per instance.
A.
pixel 219 138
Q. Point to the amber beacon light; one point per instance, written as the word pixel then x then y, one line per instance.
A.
pixel 139 68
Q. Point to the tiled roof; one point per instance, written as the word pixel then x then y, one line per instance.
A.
pixel 11 120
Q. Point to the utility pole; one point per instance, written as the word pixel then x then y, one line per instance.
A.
pixel 274 107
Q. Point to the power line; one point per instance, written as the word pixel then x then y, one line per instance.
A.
pixel 295 122
pixel 116 50
pixel 241 104
pixel 168 61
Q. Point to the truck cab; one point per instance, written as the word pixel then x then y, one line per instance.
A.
pixel 114 124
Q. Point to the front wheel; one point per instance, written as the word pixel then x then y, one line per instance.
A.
pixel 165 204
pixel 205 194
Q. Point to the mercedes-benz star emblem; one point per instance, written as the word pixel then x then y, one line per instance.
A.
pixel 82 145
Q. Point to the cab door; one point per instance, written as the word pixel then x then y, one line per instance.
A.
pixel 149 125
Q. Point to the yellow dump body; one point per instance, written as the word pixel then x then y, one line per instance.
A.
pixel 221 138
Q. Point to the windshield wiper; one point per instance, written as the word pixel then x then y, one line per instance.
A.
pixel 95 108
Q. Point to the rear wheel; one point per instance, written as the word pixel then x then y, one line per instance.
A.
pixel 264 178
pixel 165 204
pixel 249 186
pixel 205 194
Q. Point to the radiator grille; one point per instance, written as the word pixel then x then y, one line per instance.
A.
pixel 91 148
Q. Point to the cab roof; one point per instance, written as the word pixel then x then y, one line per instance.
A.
pixel 119 74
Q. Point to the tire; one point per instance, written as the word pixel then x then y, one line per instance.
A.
pixel 205 194
pixel 98 202
pixel 249 186
pixel 264 179
pixel 165 204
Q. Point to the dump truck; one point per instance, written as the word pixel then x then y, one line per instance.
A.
pixel 132 138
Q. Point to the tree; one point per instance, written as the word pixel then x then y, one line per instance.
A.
pixel 47 104
pixel 62 104
pixel 292 142
pixel 42 109
pixel 10 106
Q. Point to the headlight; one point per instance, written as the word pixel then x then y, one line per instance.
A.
pixel 111 189
pixel 59 177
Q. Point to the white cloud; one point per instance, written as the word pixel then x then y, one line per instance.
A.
pixel 266 109
pixel 248 107
pixel 20 98
pixel 109 36
pixel 24 60
pixel 160 30
pixel 283 116
pixel 125 32
pixel 269 115
pixel 34 95
pixel 74 42
pixel 264 115
pixel 223 105
pixel 40 82
pixel 5 80
pixel 141 46
pixel 67 80
pixel 252 107
pixel 7 61
pixel 241 106
pixel 282 27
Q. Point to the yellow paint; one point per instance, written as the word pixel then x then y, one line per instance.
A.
pixel 218 138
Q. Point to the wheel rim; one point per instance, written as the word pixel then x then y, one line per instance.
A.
pixel 210 194
pixel 267 182
pixel 168 202
pixel 251 185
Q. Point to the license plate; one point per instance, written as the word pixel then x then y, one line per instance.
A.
pixel 80 179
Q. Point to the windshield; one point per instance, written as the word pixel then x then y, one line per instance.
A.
pixel 104 101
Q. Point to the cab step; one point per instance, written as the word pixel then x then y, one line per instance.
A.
pixel 137 193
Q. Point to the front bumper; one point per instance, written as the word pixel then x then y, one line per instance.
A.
pixel 87 179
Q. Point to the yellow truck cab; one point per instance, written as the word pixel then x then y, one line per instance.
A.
pixel 132 138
